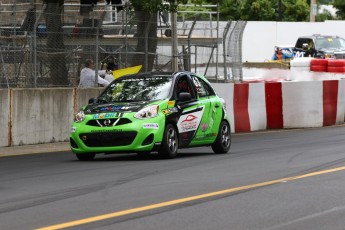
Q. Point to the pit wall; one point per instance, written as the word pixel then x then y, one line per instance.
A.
pixel 34 116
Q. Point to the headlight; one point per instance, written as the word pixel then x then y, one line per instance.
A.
pixel 147 112
pixel 80 116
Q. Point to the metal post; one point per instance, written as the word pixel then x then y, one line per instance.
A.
pixel 280 16
pixel 225 33
pixel 147 42
pixel 217 51
pixel 96 50
pixel 313 10
pixel 35 44
pixel 174 51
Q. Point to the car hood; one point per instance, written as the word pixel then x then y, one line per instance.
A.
pixel 116 107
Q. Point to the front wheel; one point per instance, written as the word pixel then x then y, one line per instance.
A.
pixel 85 156
pixel 170 142
pixel 223 140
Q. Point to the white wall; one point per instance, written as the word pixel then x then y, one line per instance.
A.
pixel 259 38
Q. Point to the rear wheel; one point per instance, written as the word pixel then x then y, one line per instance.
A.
pixel 170 142
pixel 85 156
pixel 223 140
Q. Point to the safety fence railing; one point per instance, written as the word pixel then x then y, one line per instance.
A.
pixel 46 45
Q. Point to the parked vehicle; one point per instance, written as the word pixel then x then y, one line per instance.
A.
pixel 320 46
pixel 150 112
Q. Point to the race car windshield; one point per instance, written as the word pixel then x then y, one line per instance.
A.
pixel 146 88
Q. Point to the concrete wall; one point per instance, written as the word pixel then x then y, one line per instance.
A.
pixel 33 116
pixel 4 116
pixel 39 115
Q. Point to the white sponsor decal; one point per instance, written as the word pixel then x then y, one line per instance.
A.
pixel 73 129
pixel 150 126
pixel 190 122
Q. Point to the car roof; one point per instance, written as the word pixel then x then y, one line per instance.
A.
pixel 162 74
pixel 319 36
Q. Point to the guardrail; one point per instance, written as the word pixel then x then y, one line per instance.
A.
pixel 35 116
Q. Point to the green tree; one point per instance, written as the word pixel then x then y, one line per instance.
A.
pixel 258 10
pixel 146 21
pixel 340 6
pixel 295 10
pixel 325 15
pixel 264 10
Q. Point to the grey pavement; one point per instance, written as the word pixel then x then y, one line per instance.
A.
pixel 32 149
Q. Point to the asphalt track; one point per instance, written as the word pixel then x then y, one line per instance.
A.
pixel 285 179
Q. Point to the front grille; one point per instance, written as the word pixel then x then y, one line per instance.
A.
pixel 109 122
pixel 108 139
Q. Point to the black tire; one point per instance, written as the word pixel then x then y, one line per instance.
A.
pixel 223 141
pixel 169 145
pixel 85 156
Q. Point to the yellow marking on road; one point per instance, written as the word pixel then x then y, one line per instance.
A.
pixel 184 200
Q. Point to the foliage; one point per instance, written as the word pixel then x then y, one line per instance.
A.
pixel 340 5
pixel 152 6
pixel 295 10
pixel 264 10
pixel 326 15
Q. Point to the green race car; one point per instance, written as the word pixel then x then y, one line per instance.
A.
pixel 152 112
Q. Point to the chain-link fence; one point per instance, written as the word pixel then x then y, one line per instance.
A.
pixel 46 45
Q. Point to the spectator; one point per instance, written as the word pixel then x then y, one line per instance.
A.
pixel 87 76
pixel 109 73
pixel 280 55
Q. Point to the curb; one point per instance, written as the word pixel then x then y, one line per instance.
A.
pixel 33 149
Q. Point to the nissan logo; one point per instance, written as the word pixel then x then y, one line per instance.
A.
pixel 107 122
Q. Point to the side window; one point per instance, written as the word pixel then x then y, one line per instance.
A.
pixel 203 89
pixel 301 41
pixel 183 85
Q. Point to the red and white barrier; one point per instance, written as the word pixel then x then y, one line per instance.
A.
pixel 278 105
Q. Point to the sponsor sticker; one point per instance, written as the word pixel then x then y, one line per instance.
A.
pixel 103 115
pixel 169 110
pixel 204 127
pixel 171 103
pixel 111 108
pixel 106 131
pixel 150 126
pixel 190 121
pixel 73 129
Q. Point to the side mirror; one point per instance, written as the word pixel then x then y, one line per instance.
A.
pixel 92 100
pixel 184 96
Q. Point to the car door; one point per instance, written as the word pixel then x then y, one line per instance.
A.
pixel 190 112
pixel 208 128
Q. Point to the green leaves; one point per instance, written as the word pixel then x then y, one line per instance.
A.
pixel 263 10
pixel 340 5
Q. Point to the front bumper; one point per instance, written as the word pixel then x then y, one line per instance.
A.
pixel 137 135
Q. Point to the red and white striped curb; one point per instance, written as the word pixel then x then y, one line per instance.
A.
pixel 279 105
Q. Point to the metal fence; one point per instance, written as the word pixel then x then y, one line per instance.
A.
pixel 42 48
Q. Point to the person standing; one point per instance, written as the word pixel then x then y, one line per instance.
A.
pixel 111 66
pixel 88 74
pixel 281 55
